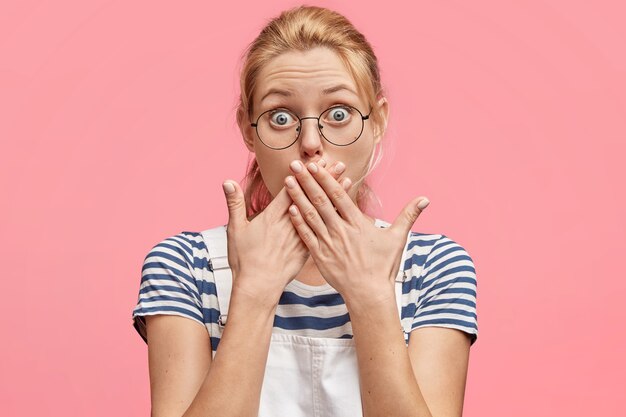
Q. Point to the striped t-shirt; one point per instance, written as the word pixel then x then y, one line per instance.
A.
pixel 440 290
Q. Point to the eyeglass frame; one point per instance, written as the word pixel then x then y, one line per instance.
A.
pixel 300 119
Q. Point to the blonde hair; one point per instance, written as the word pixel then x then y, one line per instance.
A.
pixel 300 29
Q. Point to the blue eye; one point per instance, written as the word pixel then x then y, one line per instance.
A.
pixel 282 118
pixel 339 114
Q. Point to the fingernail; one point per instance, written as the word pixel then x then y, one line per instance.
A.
pixel 296 166
pixel 229 188
pixel 312 167
pixel 290 182
pixel 339 168
pixel 322 163
pixel 423 203
pixel 346 184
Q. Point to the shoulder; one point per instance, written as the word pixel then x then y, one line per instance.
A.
pixel 176 261
pixel 184 250
pixel 429 250
pixel 182 244
pixel 436 259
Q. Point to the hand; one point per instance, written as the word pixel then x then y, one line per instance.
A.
pixel 265 251
pixel 353 255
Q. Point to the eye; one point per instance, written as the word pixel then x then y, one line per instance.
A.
pixel 282 118
pixel 339 114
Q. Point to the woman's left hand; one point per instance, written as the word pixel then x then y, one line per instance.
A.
pixel 357 258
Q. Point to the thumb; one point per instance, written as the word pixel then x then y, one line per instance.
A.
pixel 236 203
pixel 409 214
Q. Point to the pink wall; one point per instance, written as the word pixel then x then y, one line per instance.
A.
pixel 117 129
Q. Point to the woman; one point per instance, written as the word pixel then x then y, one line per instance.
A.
pixel 317 307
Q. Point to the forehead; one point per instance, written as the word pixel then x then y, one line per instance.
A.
pixel 304 73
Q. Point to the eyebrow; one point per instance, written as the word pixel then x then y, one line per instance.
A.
pixel 326 91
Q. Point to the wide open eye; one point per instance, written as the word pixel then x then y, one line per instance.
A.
pixel 282 118
pixel 338 115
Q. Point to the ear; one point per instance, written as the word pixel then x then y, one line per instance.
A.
pixel 383 104
pixel 248 133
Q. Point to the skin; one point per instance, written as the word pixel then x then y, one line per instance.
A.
pixel 427 379
pixel 306 74
pixel 345 245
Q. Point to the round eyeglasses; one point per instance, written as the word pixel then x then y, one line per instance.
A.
pixel 280 128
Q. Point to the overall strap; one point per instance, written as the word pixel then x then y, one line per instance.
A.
pixel 217 246
pixel 400 279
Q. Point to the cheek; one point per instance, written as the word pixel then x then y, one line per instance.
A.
pixel 357 161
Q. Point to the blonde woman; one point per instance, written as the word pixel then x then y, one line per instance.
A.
pixel 318 309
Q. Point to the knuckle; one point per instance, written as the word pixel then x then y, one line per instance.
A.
pixel 337 194
pixel 306 237
pixel 233 204
pixel 318 200
pixel 410 216
pixel 310 215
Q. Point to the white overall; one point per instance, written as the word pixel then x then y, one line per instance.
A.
pixel 304 376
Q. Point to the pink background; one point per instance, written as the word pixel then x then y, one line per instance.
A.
pixel 117 127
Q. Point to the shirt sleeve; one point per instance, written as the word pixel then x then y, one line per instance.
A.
pixel 167 284
pixel 448 290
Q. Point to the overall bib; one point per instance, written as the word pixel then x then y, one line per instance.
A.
pixel 304 376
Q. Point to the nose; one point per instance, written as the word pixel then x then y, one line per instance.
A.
pixel 310 137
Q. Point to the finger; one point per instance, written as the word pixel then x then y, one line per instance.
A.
pixel 346 184
pixel 282 200
pixel 308 210
pixel 305 232
pixel 336 174
pixel 331 168
pixel 337 194
pixel 236 203
pixel 315 193
pixel 404 222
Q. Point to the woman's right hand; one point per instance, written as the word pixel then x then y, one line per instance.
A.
pixel 264 253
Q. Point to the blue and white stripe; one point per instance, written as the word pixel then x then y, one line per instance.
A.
pixel 440 290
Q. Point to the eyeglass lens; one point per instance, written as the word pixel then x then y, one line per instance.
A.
pixel 279 128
